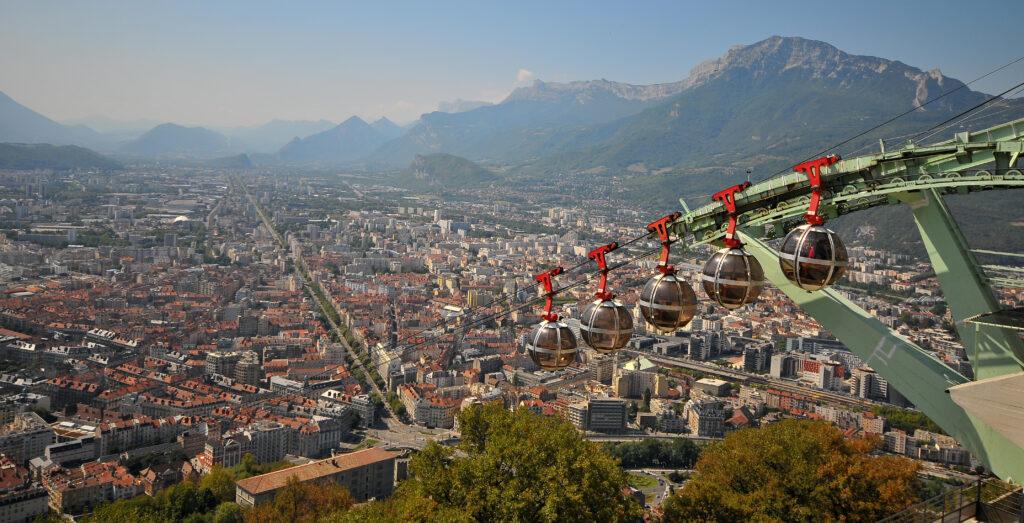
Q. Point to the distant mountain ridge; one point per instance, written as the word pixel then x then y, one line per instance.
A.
pixel 767 105
pixel 270 136
pixel 758 104
pixel 349 141
pixel 175 140
pixel 387 128
pixel 33 156
pixel 21 124
pixel 521 125
pixel 460 106
pixel 440 170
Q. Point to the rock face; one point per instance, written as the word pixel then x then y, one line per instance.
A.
pixel 821 61
pixel 768 92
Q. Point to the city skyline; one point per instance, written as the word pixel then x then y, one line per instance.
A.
pixel 232 65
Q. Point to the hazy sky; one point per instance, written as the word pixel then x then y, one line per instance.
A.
pixel 244 63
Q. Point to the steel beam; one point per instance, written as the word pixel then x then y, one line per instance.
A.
pixel 993 351
pixel 914 372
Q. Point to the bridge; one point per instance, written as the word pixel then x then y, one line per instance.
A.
pixel 985 414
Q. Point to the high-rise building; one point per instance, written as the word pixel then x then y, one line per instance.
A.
pixel 365 408
pixel 248 369
pixel 222 363
pixel 869 384
pixel 757 358
pixel 606 415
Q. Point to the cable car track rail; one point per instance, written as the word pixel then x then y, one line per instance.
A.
pixel 859 183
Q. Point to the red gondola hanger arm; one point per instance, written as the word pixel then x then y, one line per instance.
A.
pixel 728 198
pixel 813 171
pixel 598 255
pixel 545 279
pixel 661 227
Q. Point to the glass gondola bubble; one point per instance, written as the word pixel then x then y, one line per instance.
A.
pixel 551 345
pixel 667 302
pixel 812 256
pixel 732 277
pixel 605 325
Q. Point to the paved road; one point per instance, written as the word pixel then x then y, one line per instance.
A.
pixel 391 421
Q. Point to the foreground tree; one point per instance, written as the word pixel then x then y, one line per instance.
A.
pixel 519 467
pixel 221 482
pixel 300 502
pixel 794 471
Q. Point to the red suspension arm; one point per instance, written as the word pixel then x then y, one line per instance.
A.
pixel 728 198
pixel 813 170
pixel 545 279
pixel 661 227
pixel 598 255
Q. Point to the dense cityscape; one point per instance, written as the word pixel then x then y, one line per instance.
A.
pixel 163 321
pixel 462 262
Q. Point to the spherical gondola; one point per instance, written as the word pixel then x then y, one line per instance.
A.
pixel 605 325
pixel 733 278
pixel 552 345
pixel 667 302
pixel 813 257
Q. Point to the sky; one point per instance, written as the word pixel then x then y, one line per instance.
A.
pixel 244 63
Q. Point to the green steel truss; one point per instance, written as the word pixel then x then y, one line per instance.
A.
pixel 917 176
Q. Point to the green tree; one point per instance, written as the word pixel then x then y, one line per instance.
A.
pixel 406 506
pixel 524 467
pixel 794 471
pixel 228 512
pixel 301 502
pixel 221 483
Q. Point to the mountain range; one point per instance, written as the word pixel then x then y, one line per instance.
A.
pixel 440 171
pixel 348 142
pixel 763 106
pixel 21 124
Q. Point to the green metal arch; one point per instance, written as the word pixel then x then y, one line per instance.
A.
pixel 917 176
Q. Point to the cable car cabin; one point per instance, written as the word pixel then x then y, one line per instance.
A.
pixel 667 302
pixel 813 257
pixel 606 326
pixel 733 278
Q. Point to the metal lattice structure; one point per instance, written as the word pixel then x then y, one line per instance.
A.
pixel 917 176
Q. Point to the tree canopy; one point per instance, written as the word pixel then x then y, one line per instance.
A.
pixel 651 452
pixel 794 471
pixel 519 467
pixel 299 502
